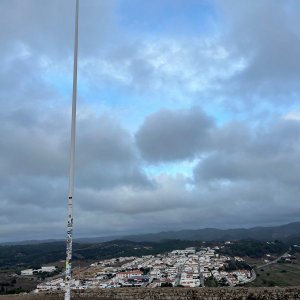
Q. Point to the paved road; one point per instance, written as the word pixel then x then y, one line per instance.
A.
pixel 201 280
pixel 201 275
pixel 273 261
pixel 178 276
pixel 253 276
pixel 253 273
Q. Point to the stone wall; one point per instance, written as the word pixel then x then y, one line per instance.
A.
pixel 175 294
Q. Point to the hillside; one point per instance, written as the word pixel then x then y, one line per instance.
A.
pixel 288 233
pixel 23 256
pixel 35 255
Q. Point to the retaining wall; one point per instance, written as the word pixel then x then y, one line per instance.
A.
pixel 174 294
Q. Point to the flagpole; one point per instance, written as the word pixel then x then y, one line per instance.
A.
pixel 72 165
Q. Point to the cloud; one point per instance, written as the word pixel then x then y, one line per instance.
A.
pixel 34 162
pixel 267 35
pixel 158 78
pixel 264 153
pixel 48 26
pixel 256 169
pixel 165 65
pixel 39 146
pixel 174 135
pixel 244 168
pixel 106 154
pixel 168 193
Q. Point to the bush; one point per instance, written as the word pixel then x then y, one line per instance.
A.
pixel 166 284
pixel 16 291
pixel 210 282
pixel 232 265
pixel 254 249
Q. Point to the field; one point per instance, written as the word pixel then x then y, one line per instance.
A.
pixel 278 274
pixel 15 284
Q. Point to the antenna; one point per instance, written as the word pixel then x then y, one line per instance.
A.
pixel 72 163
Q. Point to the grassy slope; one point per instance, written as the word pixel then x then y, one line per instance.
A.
pixel 283 274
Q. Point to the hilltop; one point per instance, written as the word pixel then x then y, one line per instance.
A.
pixel 286 233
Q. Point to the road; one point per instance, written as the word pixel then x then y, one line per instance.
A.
pixel 178 276
pixel 273 261
pixel 201 275
pixel 253 276
pixel 253 273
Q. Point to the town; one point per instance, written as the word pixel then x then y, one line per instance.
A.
pixel 185 268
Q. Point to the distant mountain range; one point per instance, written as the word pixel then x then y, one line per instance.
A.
pixel 289 232
pixel 283 232
pixel 286 233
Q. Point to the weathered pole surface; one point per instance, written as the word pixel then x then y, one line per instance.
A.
pixel 72 167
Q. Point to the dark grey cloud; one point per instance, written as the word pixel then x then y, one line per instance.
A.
pixel 255 175
pixel 40 147
pixel 48 26
pixel 245 168
pixel 167 193
pixel 266 35
pixel 174 135
pixel 106 155
pixel 34 165
pixel 241 166
pixel 34 145
pixel 268 153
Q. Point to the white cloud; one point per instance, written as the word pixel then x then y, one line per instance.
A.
pixel 239 165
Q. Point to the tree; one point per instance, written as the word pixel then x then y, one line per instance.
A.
pixel 166 284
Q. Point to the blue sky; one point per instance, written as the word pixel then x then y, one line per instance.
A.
pixel 188 115
pixel 169 18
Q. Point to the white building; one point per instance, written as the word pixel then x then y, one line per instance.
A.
pixel 47 269
pixel 129 274
pixel 27 272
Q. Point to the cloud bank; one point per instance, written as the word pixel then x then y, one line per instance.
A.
pixel 184 121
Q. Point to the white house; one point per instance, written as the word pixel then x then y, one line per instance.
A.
pixel 27 272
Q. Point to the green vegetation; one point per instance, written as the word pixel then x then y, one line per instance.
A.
pixel 44 275
pixel 166 284
pixel 22 256
pixel 295 249
pixel 15 291
pixel 15 285
pixel 283 274
pixel 30 256
pixel 210 282
pixel 232 265
pixel 145 270
pixel 19 257
pixel 254 249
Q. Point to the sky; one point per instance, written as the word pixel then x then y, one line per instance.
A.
pixel 188 116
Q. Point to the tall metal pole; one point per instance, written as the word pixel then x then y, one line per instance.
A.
pixel 72 163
